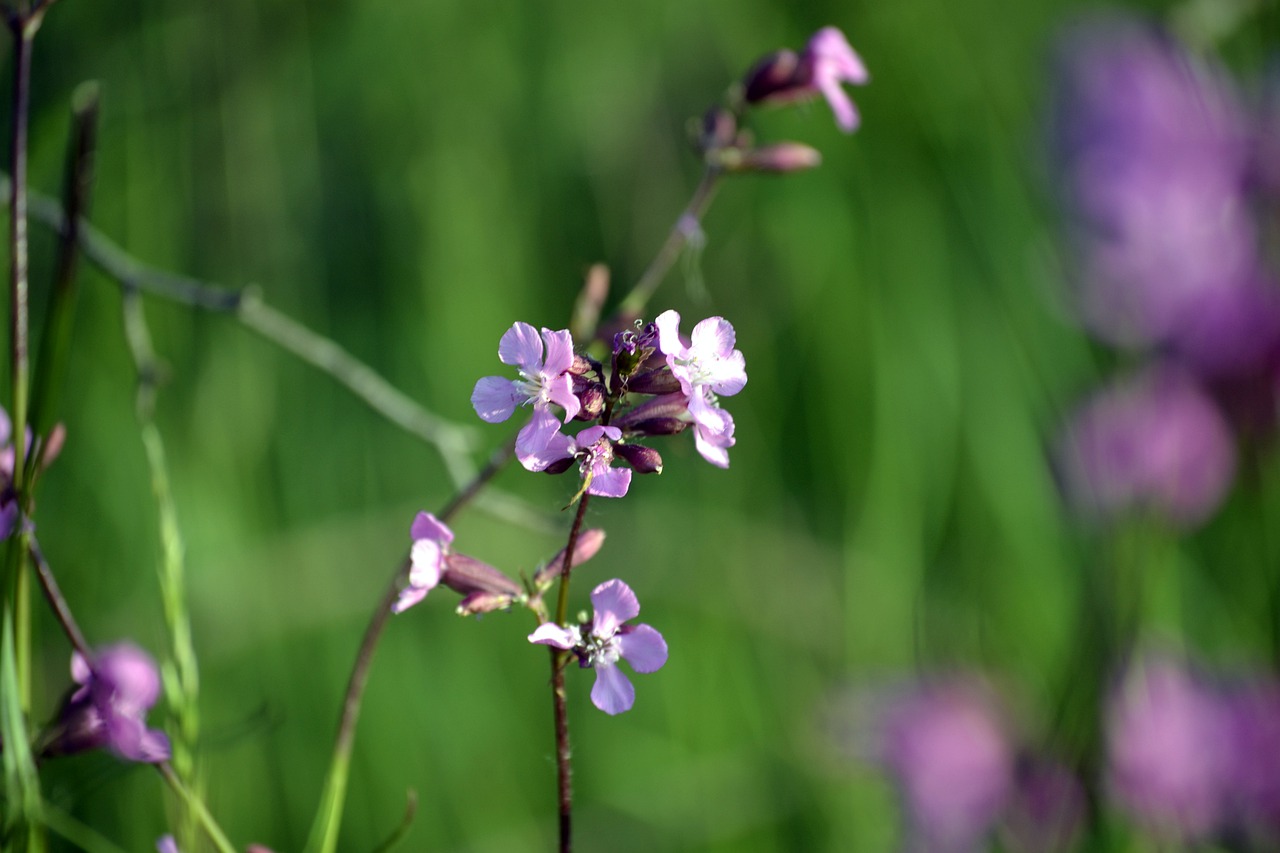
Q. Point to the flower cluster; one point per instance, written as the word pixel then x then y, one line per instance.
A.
pixel 1162 169
pixel 657 383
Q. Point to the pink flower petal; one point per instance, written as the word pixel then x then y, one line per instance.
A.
pixel 541 443
pixel 559 352
pixel 427 526
pixel 644 648
pixel 426 559
pixel 495 398
pixel 614 603
pixel 409 596
pixel 551 634
pixel 713 336
pixel 521 346
pixel 612 692
pixel 610 482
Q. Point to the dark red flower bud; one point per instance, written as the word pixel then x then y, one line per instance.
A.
pixel 645 460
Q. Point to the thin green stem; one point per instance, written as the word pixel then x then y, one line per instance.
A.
pixel 198 808
pixel 634 303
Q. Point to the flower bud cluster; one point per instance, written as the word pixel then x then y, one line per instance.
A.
pixel 656 384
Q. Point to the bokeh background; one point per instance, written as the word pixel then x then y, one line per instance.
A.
pixel 409 179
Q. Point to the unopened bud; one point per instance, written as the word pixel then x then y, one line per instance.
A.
pixel 658 426
pixel 779 158
pixel 777 77
pixel 674 405
pixel 587 546
pixel 483 602
pixel 583 365
pixel 645 460
pixel 559 466
pixel 719 129
pixel 466 575
pixel 591 398
pixel 660 381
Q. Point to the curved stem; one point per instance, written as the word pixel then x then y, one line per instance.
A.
pixel 198 808
pixel 634 303
pixel 58 602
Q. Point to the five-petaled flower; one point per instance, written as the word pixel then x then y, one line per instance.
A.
pixel 605 640
pixel 109 708
pixel 541 383
pixel 431 539
pixel 707 367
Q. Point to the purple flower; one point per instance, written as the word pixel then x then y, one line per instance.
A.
pixel 608 640
pixel 166 844
pixel 1153 442
pixel 1153 154
pixel 594 445
pixel 831 61
pixel 826 62
pixel 431 539
pixel 707 367
pixel 110 706
pixel 1165 737
pixel 1253 711
pixel 541 383
pixel 947 748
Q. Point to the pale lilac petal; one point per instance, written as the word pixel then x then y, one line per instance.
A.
pixel 841 104
pixel 166 844
pixel 521 346
pixel 540 442
pixel 551 634
pixel 614 603
pixel 713 448
pixel 607 482
pixel 612 692
pixel 711 419
pixel 427 526
pixel 495 398
pixel 559 390
pixel 832 47
pixel 559 352
pixel 713 336
pixel 409 596
pixel 729 374
pixel 643 647
pixel 426 560
pixel 80 672
pixel 668 325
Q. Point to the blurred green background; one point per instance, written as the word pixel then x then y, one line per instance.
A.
pixel 409 179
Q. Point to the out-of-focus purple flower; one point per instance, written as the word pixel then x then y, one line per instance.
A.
pixel 1253 710
pixel 431 540
pixel 1153 152
pixel 1153 442
pixel 826 63
pixel 1046 809
pixel 707 367
pixel 831 62
pixel 594 445
pixel 541 383
pixel 109 708
pixel 946 747
pixel 167 844
pixel 608 640
pixel 1167 765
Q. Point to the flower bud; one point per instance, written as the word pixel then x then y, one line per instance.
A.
pixel 780 158
pixel 483 602
pixel 645 460
pixel 660 381
pixel 583 365
pixel 778 76
pixel 591 398
pixel 560 466
pixel 719 129
pixel 466 575
pixel 658 426
pixel 674 405
pixel 587 546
